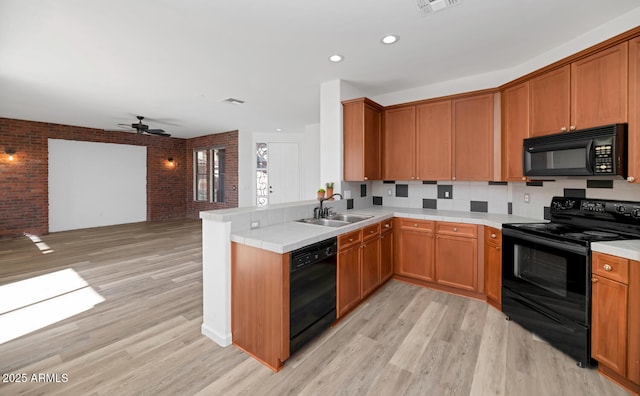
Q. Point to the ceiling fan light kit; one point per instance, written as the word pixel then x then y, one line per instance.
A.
pixel 143 128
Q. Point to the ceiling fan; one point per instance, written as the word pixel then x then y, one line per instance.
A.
pixel 143 128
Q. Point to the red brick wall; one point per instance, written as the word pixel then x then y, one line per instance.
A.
pixel 230 141
pixel 24 182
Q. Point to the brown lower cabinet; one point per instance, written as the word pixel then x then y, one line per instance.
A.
pixel 260 303
pixel 386 250
pixel 456 259
pixel 415 248
pixel 438 253
pixel 348 274
pixel 615 318
pixel 361 266
pixel 493 266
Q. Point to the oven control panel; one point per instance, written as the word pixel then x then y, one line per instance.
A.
pixel 593 206
pixel 596 209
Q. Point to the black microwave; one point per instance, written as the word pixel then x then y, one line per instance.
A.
pixel 600 151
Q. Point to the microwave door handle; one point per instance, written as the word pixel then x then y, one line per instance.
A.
pixel 590 155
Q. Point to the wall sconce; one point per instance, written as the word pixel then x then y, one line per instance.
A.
pixel 10 153
pixel 170 161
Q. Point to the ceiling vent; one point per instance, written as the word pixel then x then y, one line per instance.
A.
pixel 233 101
pixel 427 7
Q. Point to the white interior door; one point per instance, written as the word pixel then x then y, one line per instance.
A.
pixel 284 172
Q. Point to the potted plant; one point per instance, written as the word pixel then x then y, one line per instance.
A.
pixel 329 189
pixel 321 194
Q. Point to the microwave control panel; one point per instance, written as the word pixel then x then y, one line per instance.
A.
pixel 604 159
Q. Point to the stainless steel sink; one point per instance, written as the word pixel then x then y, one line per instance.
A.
pixel 349 218
pixel 325 222
pixel 336 220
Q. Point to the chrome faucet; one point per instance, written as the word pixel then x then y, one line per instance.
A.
pixel 320 213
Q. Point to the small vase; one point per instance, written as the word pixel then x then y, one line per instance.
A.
pixel 330 193
pixel 320 195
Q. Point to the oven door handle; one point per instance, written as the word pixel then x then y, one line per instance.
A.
pixel 567 246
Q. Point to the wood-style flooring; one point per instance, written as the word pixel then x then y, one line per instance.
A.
pixel 144 338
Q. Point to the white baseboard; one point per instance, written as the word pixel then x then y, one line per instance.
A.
pixel 222 340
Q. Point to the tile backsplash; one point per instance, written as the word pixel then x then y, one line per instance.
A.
pixel 491 197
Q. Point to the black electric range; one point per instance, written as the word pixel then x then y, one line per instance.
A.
pixel 583 220
pixel 546 268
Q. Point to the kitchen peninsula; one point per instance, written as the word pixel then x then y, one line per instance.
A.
pixel 278 232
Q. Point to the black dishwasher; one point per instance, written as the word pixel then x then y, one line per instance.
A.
pixel 312 291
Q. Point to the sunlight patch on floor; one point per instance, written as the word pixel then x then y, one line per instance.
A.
pixel 35 303
pixel 44 248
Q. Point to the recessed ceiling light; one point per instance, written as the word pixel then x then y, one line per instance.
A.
pixel 336 58
pixel 389 39
pixel 279 129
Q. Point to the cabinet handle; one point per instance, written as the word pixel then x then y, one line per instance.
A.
pixel 386 225
pixel 366 178
pixel 415 224
pixel 524 178
pixel 412 177
pixel 455 229
pixel 371 232
pixel 350 239
pixel 631 179
pixel 572 128
pixel 607 267
pixel 493 236
pixel 594 280
pixel 497 247
pixel 563 129
pixel 453 178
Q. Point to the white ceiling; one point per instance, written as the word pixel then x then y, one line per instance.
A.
pixel 100 63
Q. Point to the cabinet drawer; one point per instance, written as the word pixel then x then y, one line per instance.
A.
pixel 417 225
pixel 371 231
pixel 386 225
pixel 493 236
pixel 457 229
pixel 350 239
pixel 610 267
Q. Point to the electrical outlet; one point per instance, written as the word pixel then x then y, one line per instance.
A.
pixel 526 198
pixel 255 224
pixel 389 192
pixel 446 194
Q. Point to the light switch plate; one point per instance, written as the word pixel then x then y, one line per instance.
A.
pixel 527 198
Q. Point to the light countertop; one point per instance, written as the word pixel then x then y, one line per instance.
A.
pixel 285 237
pixel 628 249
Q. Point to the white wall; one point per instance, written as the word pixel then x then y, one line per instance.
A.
pixel 96 184
pixel 310 166
pixel 331 134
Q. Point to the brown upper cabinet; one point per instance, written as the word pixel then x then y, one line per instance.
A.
pixel 399 143
pixel 433 141
pixel 633 167
pixel 515 128
pixel 589 92
pixel 472 121
pixel 362 129
pixel 417 142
